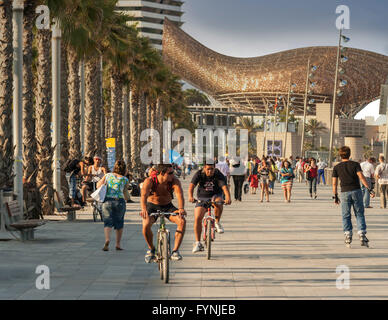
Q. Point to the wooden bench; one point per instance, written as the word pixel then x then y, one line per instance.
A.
pixel 62 208
pixel 17 222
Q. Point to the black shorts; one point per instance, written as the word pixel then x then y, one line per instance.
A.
pixel 153 208
pixel 220 195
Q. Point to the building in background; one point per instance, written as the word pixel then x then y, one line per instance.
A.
pixel 149 16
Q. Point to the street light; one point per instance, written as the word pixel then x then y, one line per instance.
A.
pixel 344 59
pixel 337 93
pixel 309 84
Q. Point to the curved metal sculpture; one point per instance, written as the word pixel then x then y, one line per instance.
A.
pixel 250 83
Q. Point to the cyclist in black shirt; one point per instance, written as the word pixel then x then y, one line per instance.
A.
pixel 211 184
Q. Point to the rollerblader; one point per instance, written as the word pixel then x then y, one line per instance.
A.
pixel 350 174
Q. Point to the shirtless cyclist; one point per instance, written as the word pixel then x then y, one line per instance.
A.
pixel 157 194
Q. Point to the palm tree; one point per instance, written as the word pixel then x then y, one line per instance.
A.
pixel 251 126
pixel 29 142
pixel 117 50
pixel 43 119
pixel 195 97
pixel 134 127
pixel 314 127
pixel 6 51
pixel 64 117
pixel 74 117
pixel 91 100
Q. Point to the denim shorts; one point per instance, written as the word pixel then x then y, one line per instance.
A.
pixel 113 212
pixel 73 186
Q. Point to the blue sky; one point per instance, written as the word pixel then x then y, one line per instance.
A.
pixel 250 28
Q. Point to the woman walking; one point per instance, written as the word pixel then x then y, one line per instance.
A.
pixel 264 179
pixel 113 208
pixel 287 177
pixel 272 175
pixel 312 177
pixel 253 179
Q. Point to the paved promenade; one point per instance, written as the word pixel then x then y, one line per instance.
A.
pixel 270 250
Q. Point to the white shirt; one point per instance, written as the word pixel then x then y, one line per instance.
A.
pixel 382 171
pixel 367 169
pixel 223 167
pixel 321 165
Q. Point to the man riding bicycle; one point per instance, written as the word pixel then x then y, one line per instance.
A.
pixel 211 186
pixel 157 194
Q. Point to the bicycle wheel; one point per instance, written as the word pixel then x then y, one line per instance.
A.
pixel 165 258
pixel 95 213
pixel 209 239
pixel 160 265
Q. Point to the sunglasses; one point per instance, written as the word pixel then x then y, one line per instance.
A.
pixel 172 172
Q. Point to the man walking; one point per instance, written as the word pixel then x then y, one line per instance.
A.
pixel 381 174
pixel 350 174
pixel 321 171
pixel 223 166
pixel 368 171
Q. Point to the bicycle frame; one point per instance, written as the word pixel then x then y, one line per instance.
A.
pixel 209 218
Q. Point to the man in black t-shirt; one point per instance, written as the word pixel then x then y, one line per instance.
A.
pixel 211 183
pixel 350 174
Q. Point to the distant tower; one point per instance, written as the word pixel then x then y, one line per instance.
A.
pixel 150 15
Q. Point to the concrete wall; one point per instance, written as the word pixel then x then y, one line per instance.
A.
pixel 292 147
pixel 356 147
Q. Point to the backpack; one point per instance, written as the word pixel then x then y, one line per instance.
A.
pixel 70 165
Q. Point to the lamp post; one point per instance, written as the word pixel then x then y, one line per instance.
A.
pixel 56 92
pixel 336 93
pixel 265 127
pixel 274 125
pixel 287 114
pixel 305 109
pixel 17 10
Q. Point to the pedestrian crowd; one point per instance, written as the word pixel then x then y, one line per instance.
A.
pixel 357 183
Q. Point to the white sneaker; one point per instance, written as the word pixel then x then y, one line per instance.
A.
pixel 219 227
pixel 198 247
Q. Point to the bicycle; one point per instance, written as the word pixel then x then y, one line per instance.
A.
pixel 97 210
pixel 208 224
pixel 162 254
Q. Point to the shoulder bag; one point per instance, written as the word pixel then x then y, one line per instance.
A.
pixel 100 194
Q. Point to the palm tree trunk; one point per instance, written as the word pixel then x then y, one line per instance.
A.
pixel 135 147
pixel 128 133
pixel 6 62
pixel 116 124
pixel 149 110
pixel 91 89
pixel 142 124
pixel 29 141
pixel 74 105
pixel 159 124
pixel 43 120
pixel 64 117
pixel 97 131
